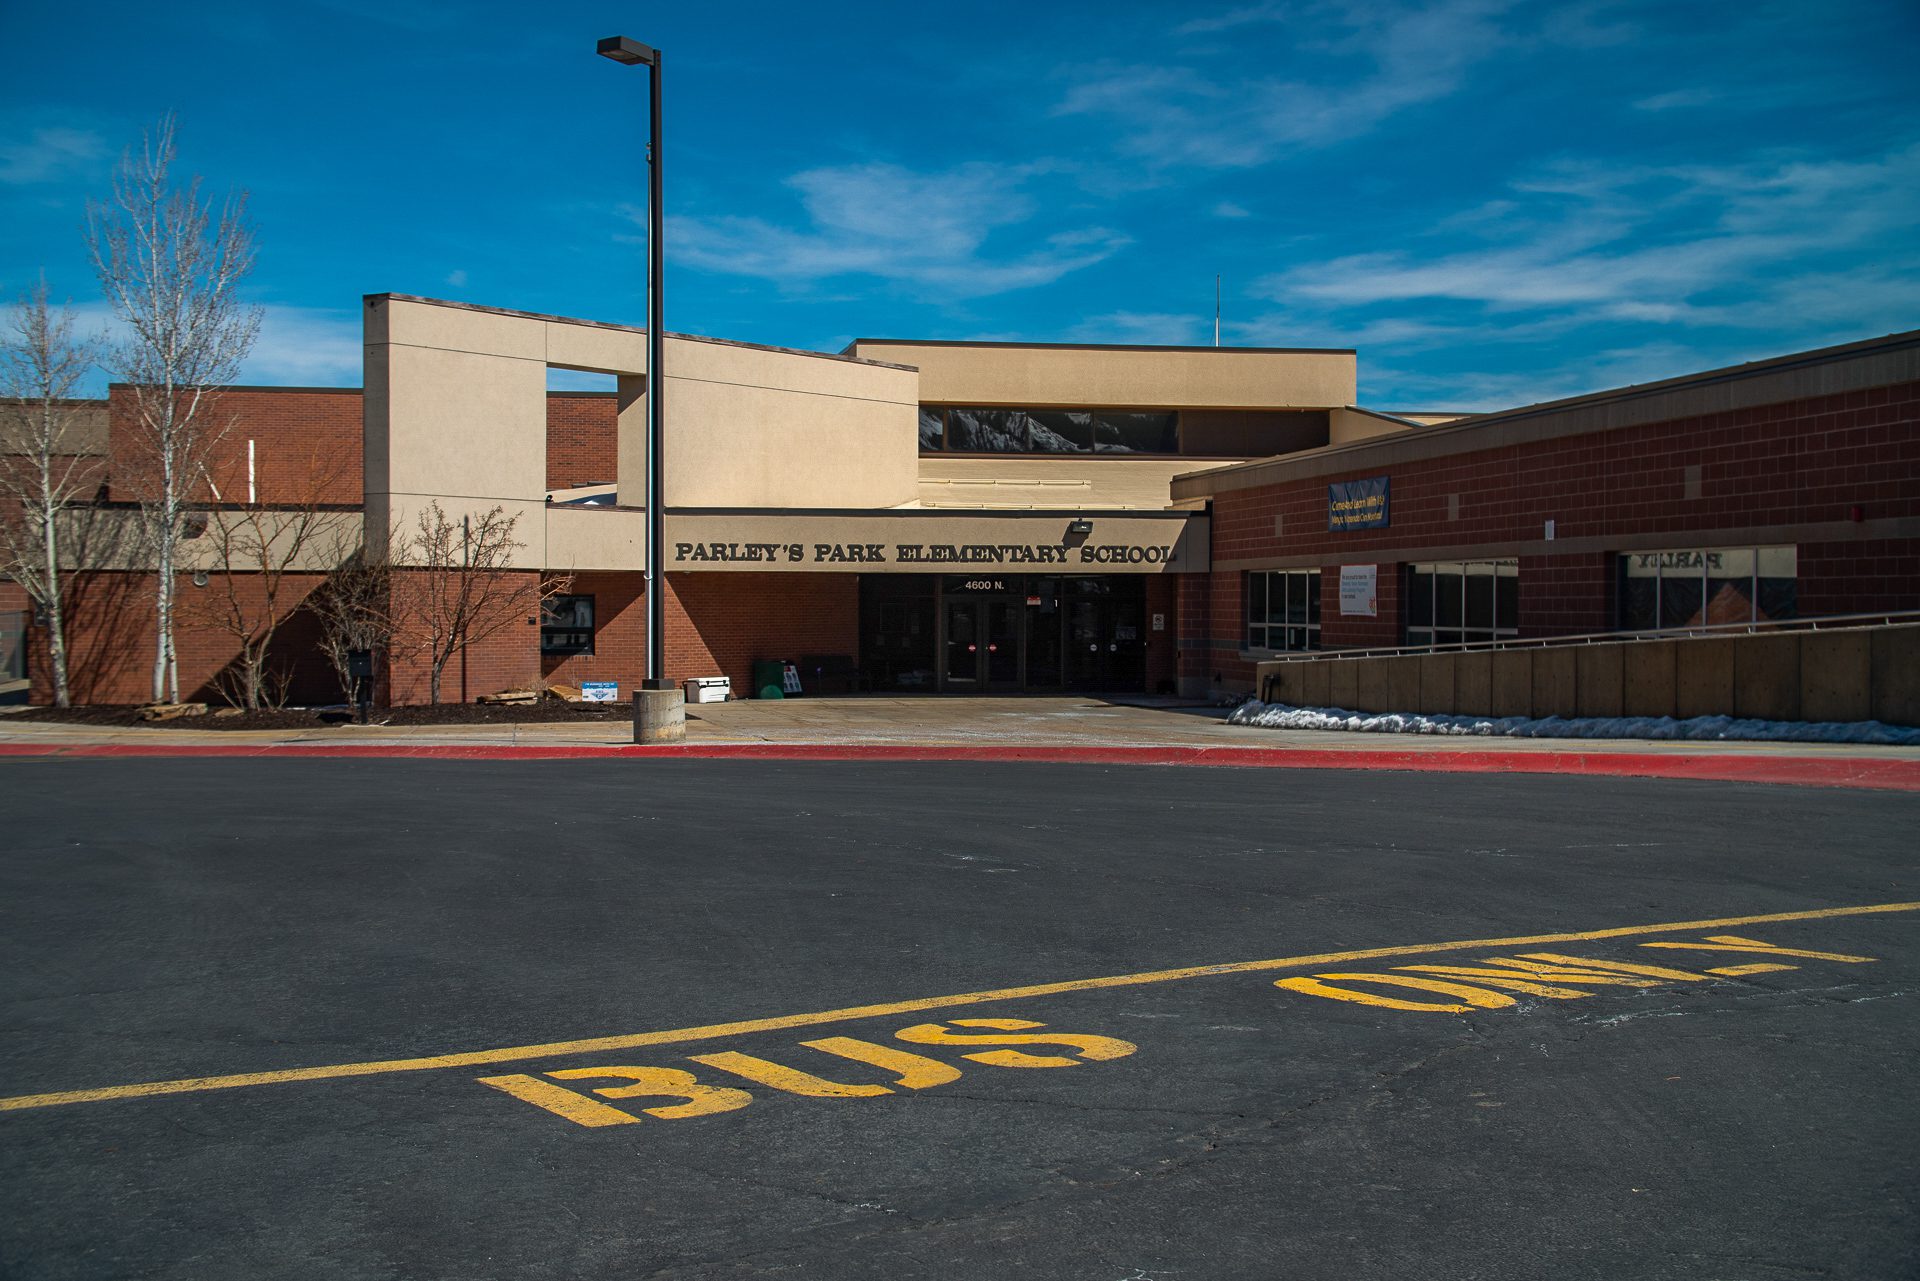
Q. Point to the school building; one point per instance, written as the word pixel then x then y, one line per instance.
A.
pixel 977 518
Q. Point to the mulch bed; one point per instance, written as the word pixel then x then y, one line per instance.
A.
pixel 549 712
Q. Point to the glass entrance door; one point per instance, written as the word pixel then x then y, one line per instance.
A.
pixel 1106 646
pixel 981 646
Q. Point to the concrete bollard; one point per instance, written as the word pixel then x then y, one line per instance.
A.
pixel 659 716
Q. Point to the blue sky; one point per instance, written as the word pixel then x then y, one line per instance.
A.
pixel 1495 202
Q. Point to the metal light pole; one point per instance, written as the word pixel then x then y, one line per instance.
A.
pixel 632 52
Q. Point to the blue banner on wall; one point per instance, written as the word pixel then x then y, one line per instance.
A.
pixel 1357 504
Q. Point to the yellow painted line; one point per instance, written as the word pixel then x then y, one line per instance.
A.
pixel 715 1031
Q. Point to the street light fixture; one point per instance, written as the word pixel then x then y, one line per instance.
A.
pixel 632 53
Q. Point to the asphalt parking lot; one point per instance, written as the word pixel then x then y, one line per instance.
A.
pixel 706 1019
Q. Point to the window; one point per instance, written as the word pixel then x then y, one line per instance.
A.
pixel 566 625
pixel 1047 431
pixel 1455 602
pixel 1707 587
pixel 1283 609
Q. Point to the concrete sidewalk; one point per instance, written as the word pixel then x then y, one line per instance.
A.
pixel 878 721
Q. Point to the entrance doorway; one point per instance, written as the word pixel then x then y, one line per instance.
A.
pixel 981 645
pixel 1014 633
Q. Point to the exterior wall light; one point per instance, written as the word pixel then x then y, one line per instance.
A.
pixel 1080 527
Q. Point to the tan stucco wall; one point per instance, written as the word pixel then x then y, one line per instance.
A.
pixel 456 414
pixel 989 481
pixel 295 542
pixel 1348 424
pixel 749 427
pixel 1199 377
pixel 594 538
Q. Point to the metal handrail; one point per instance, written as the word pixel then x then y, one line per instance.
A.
pixel 1823 622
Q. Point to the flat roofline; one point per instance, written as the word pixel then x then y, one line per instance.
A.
pixel 1100 346
pixel 1464 435
pixel 1705 378
pixel 628 329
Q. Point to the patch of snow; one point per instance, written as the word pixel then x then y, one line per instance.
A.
pixel 1699 729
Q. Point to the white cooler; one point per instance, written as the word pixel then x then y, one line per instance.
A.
pixel 709 689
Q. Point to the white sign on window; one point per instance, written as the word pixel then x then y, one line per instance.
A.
pixel 1360 590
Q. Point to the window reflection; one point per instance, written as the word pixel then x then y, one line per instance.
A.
pixel 966 430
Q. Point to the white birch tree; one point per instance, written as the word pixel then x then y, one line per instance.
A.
pixel 46 470
pixel 171 264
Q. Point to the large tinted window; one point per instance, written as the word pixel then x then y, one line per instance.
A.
pixel 986 431
pixel 1456 602
pixel 1115 433
pixel 1283 609
pixel 933 429
pixel 1709 587
pixel 964 430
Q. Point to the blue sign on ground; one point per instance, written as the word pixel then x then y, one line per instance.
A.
pixel 599 691
pixel 1357 504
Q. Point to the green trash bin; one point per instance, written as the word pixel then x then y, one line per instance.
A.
pixel 770 678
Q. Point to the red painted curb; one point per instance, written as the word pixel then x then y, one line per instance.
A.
pixel 1828 771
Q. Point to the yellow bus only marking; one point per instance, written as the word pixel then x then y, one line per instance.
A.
pixel 1495 976
pixel 1736 943
pixel 718 1031
pixel 912 1071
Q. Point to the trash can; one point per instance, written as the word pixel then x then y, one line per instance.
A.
pixel 769 678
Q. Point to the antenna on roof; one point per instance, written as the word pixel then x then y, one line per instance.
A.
pixel 1216 311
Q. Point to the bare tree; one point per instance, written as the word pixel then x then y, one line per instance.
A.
pixel 46 469
pixel 171 265
pixel 356 606
pixel 249 552
pixel 460 586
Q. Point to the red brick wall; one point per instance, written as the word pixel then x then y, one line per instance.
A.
pixel 1163 654
pixel 583 439
pixel 307 444
pixel 110 639
pixel 718 624
pixel 620 634
pixel 507 659
pixel 1772 468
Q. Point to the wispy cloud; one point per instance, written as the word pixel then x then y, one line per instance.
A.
pixel 1646 244
pixel 1676 99
pixel 1228 209
pixel 897 224
pixel 1382 59
pixel 50 155
pixel 1145 328
pixel 307 346
pixel 296 346
pixel 1249 16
